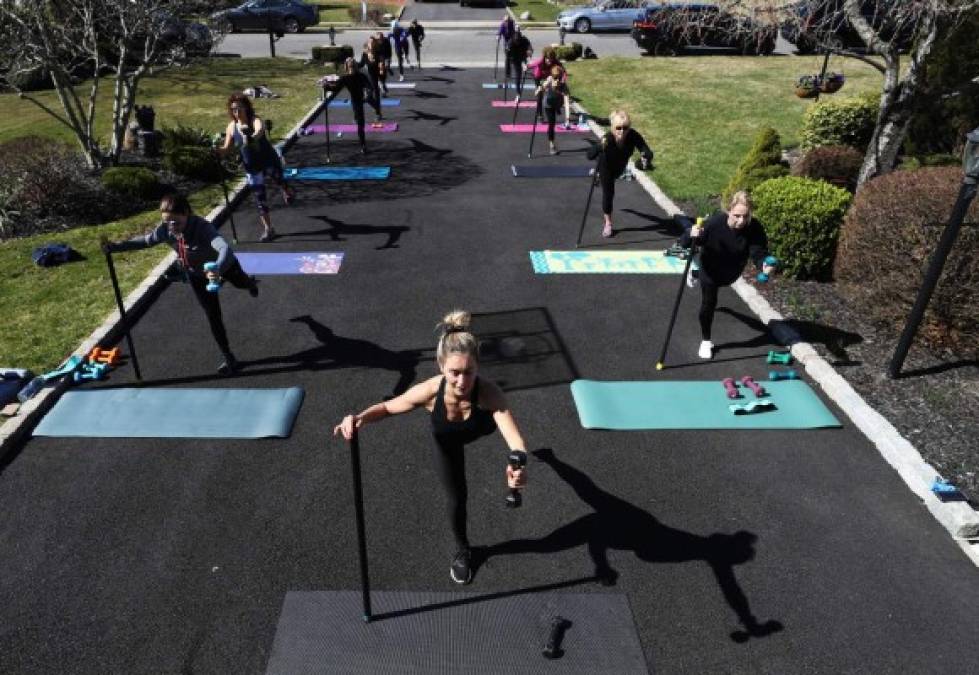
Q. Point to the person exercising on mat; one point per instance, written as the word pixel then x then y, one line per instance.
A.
pixel 357 83
pixel 726 242
pixel 196 242
pixel 552 93
pixel 463 408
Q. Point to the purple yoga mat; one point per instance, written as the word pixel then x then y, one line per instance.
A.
pixel 387 128
pixel 541 129
pixel 509 104
pixel 310 262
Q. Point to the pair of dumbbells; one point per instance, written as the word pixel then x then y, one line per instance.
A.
pixel 107 356
pixel 779 358
pixel 90 371
pixel 213 286
pixel 732 387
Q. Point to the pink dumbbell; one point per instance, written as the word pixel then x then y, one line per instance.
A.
pixel 749 382
pixel 732 388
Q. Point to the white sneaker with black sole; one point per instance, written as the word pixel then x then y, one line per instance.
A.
pixel 706 350
pixel 461 568
pixel 693 278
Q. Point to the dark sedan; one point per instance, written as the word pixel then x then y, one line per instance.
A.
pixel 281 16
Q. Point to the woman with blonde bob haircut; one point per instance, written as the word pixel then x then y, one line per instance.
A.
pixel 617 146
pixel 463 408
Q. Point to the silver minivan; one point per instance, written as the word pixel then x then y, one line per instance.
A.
pixel 602 15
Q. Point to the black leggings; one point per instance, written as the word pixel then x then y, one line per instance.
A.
pixel 450 463
pixel 358 109
pixel 608 191
pixel 211 303
pixel 708 303
pixel 550 114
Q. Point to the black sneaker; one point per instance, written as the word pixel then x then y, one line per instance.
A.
pixel 229 365
pixel 461 568
pixel 253 289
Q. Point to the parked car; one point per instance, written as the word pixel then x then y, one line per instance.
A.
pixel 669 29
pixel 499 4
pixel 282 16
pixel 602 15
pixel 818 26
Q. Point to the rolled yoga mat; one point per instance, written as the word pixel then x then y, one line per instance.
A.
pixel 385 128
pixel 339 173
pixel 173 413
pixel 511 104
pixel 694 405
pixel 542 129
pixel 543 171
pixel 605 262
pixel 385 103
pixel 499 85
pixel 310 262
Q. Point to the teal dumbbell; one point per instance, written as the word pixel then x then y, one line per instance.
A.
pixel 91 371
pixel 212 286
pixel 780 358
pixel 771 261
pixel 775 375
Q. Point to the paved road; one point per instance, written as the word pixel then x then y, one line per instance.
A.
pixel 450 11
pixel 174 555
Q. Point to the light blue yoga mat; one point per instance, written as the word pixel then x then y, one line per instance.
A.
pixel 694 405
pixel 173 413
pixel 310 262
pixel 385 103
pixel 511 85
pixel 605 262
pixel 339 173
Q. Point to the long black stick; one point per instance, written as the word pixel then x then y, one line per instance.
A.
pixel 591 191
pixel 122 314
pixel 326 115
pixel 361 536
pixel 227 205
pixel 496 60
pixel 676 306
pixel 533 130
pixel 516 104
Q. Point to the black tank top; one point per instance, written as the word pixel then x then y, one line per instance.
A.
pixel 479 423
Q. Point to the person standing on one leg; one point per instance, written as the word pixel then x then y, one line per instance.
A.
pixel 399 45
pixel 726 242
pixel 518 51
pixel 614 152
pixel 196 242
pixel 356 83
pixel 551 93
pixel 417 34
pixel 384 54
pixel 246 133
pixel 463 407
pixel 371 64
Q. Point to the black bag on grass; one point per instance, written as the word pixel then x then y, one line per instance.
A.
pixel 50 255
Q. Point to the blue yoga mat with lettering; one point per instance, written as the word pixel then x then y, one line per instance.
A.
pixel 510 85
pixel 673 404
pixel 339 173
pixel 173 413
pixel 310 262
pixel 385 102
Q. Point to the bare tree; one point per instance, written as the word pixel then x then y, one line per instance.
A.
pixel 71 40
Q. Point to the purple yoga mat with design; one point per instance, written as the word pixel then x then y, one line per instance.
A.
pixel 510 104
pixel 385 128
pixel 307 262
pixel 541 129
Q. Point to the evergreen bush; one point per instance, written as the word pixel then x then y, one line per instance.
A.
pixel 763 161
pixel 569 52
pixel 131 181
pixel 337 54
pixel 840 121
pixel 194 162
pixel 838 165
pixel 180 136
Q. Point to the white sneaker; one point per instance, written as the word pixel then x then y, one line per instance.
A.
pixel 401 78
pixel 692 282
pixel 706 350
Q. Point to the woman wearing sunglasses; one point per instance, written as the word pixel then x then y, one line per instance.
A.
pixel 613 154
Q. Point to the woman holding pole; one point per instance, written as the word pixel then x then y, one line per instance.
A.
pixel 463 408
pixel 613 155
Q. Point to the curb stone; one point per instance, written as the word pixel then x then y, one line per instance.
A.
pixel 959 518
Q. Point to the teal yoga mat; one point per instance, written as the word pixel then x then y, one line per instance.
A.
pixel 694 405
pixel 174 413
pixel 339 173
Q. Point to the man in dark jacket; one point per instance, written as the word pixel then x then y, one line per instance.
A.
pixel 517 52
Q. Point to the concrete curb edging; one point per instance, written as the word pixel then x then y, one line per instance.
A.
pixel 959 518
pixel 13 430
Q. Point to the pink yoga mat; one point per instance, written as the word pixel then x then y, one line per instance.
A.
pixel 352 128
pixel 509 104
pixel 541 129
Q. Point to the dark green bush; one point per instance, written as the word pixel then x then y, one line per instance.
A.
pixel 840 121
pixel 763 161
pixel 180 136
pixel 131 181
pixel 194 162
pixel 802 219
pixel 838 165
pixel 337 54
pixel 886 243
pixel 569 52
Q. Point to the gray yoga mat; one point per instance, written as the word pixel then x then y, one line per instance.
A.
pixel 173 413
pixel 543 171
pixel 453 633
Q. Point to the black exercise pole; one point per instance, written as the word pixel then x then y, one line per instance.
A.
pixel 326 122
pixel 516 105
pixel 496 60
pixel 591 191
pixel 506 80
pixel 359 510
pixel 122 313
pixel 676 306
pixel 227 204
pixel 533 130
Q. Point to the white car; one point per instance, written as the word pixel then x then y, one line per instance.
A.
pixel 602 15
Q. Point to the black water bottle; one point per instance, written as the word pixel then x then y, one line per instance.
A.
pixel 517 460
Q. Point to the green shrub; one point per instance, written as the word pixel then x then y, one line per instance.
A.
pixel 338 54
pixel 802 219
pixel 886 243
pixel 194 162
pixel 569 52
pixel 763 161
pixel 180 136
pixel 838 165
pixel 840 121
pixel 131 181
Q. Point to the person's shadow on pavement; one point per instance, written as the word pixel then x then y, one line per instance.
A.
pixel 617 524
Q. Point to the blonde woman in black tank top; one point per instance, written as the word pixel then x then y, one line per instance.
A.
pixel 463 407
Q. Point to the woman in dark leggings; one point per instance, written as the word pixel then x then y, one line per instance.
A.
pixel 463 407
pixel 551 93
pixel 726 241
pixel 356 83
pixel 614 152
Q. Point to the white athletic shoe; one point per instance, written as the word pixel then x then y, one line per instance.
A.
pixel 401 78
pixel 706 350
pixel 692 279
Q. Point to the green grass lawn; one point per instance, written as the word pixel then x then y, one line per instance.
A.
pixel 540 10
pixel 701 113
pixel 47 312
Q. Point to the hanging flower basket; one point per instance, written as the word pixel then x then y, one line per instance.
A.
pixel 832 83
pixel 808 86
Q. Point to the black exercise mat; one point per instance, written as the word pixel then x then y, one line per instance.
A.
pixel 323 632
pixel 523 171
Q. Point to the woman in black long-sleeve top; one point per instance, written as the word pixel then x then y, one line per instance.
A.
pixel 616 148
pixel 726 241
pixel 357 83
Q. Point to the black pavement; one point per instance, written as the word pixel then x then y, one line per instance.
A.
pixel 775 551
